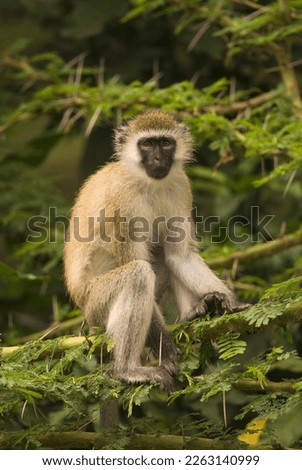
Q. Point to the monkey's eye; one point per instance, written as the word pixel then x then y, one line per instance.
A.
pixel 147 143
pixel 166 143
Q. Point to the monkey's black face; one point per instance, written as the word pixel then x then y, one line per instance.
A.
pixel 157 155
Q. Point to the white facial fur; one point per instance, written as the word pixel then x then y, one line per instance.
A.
pixel 129 154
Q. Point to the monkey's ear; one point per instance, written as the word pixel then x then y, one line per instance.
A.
pixel 120 134
pixel 183 128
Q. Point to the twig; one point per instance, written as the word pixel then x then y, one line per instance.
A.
pixel 93 120
pixel 289 182
pixel 196 38
pixel 27 68
pixel 160 349
pixel 49 331
pixel 250 4
pixel 224 409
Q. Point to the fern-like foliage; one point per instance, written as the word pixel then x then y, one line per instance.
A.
pixel 274 301
pixel 68 380
pixel 230 346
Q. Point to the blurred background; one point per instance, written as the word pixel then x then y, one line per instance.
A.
pixel 71 70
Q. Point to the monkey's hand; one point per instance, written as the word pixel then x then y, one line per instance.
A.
pixel 217 302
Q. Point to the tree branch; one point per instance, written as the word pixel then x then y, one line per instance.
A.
pixel 283 56
pixel 268 386
pixel 52 331
pixel 257 252
pixel 209 329
pixel 64 344
pixel 241 105
pixel 236 322
pixel 288 75
pixel 24 65
pixel 99 440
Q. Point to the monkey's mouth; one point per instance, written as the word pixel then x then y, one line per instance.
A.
pixel 158 173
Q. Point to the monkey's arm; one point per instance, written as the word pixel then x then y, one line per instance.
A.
pixel 196 287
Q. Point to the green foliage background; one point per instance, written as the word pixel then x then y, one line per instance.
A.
pixel 231 70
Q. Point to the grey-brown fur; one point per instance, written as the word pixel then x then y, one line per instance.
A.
pixel 119 284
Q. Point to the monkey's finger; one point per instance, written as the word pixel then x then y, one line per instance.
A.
pixel 239 306
pixel 171 367
pixel 198 311
pixel 167 384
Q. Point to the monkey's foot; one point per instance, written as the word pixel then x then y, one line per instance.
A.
pixel 142 374
pixel 171 366
pixel 217 302
pixel 169 358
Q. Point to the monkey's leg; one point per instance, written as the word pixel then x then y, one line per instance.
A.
pixel 162 343
pixel 128 294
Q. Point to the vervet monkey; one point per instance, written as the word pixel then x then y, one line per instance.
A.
pixel 130 238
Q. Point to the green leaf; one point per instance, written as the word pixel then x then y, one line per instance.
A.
pixel 231 346
pixel 9 274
